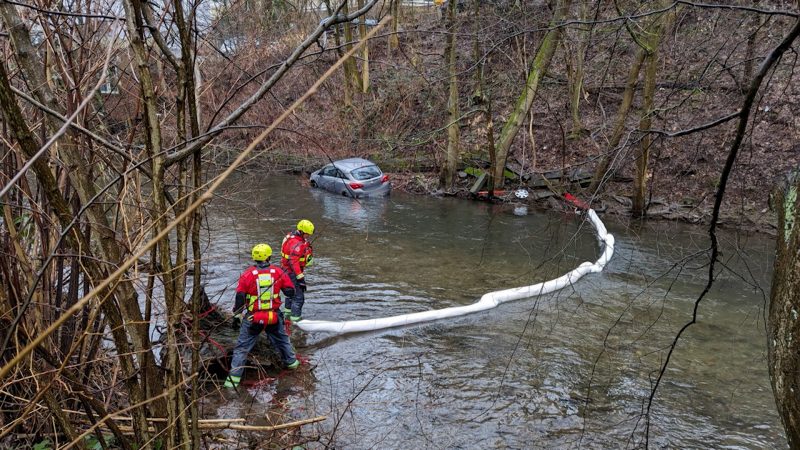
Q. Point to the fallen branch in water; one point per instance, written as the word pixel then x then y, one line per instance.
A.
pixel 230 424
pixel 277 427
pixel 161 419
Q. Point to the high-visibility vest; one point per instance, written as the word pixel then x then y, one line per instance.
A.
pixel 265 299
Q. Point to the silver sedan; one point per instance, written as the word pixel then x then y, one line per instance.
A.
pixel 353 177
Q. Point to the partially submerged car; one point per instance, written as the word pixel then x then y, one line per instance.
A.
pixel 353 177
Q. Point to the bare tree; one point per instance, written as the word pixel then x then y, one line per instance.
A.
pixel 576 57
pixel 448 172
pixel 651 41
pixel 362 33
pixel 538 68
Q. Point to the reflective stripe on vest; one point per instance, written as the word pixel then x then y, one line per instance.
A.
pixel 265 295
pixel 286 257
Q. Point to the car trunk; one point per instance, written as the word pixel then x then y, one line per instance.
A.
pixel 371 183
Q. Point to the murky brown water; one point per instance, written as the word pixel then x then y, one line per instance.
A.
pixel 572 369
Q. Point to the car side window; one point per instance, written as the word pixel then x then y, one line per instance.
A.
pixel 329 171
pixel 340 174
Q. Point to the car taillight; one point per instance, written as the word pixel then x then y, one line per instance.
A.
pixel 356 185
pixel 385 178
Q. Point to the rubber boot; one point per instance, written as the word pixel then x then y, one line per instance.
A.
pixel 294 365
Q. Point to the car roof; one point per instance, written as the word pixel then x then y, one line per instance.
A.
pixel 352 163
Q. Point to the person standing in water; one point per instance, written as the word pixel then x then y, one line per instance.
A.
pixel 258 303
pixel 296 255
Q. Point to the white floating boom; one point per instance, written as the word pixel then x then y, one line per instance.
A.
pixel 488 301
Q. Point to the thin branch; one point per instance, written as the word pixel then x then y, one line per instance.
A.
pixel 769 12
pixel 698 128
pixel 63 13
pixel 282 426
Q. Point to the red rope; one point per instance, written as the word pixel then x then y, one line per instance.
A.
pixel 263 382
pixel 303 360
pixel 206 313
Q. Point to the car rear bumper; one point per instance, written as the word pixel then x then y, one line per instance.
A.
pixel 380 191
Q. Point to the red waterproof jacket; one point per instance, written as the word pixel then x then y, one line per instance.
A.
pixel 259 288
pixel 296 252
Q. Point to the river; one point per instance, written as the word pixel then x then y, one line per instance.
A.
pixel 572 369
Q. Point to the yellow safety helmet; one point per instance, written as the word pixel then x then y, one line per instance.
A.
pixel 305 226
pixel 261 252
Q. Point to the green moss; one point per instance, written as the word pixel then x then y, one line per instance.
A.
pixel 43 445
pixel 474 171
pixel 788 206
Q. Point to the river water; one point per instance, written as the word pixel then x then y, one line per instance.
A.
pixel 572 369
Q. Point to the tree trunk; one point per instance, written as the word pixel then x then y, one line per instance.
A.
pixel 172 279
pixel 538 68
pixel 653 39
pixel 638 209
pixel 648 42
pixel 337 37
pixel 129 325
pixel 576 75
pixel 619 125
pixel 783 325
pixel 193 87
pixel 756 22
pixel 448 173
pixel 490 142
pixel 350 68
pixel 362 33
pixel 394 40
pixel 477 57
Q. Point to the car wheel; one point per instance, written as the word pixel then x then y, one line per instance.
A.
pixel 344 193
pixel 313 183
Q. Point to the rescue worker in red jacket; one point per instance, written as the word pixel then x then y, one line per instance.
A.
pixel 296 254
pixel 258 301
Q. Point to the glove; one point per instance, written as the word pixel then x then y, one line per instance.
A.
pixel 236 322
pixel 301 284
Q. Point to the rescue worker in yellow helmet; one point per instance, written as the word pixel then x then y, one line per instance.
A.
pixel 296 255
pixel 258 300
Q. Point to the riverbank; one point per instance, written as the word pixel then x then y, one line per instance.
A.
pixel 615 201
